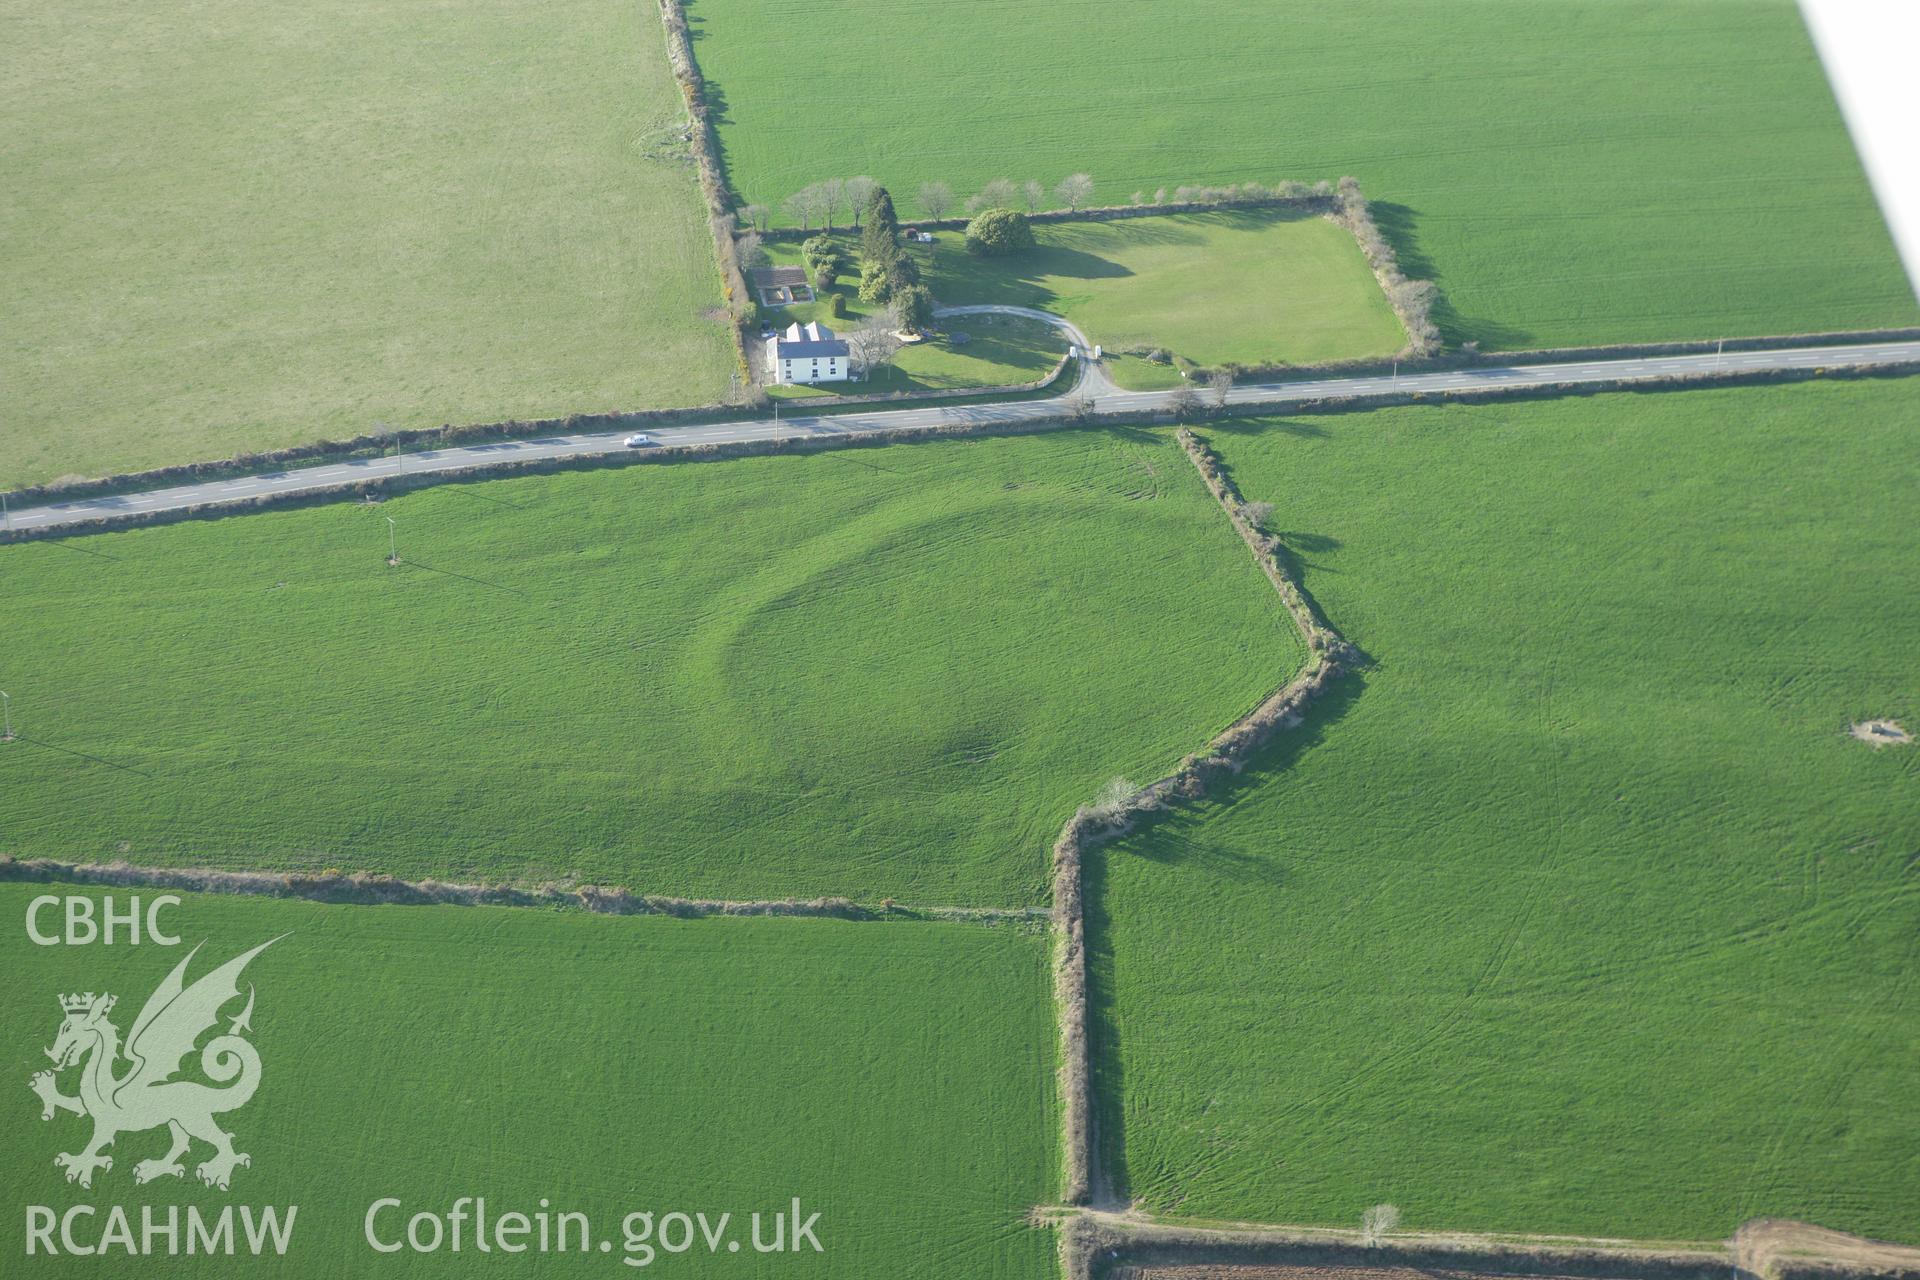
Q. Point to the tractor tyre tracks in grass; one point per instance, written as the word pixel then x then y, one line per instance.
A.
pixel 1097 1234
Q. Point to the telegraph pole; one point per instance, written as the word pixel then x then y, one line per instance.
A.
pixel 6 714
pixel 393 546
pixel 5 514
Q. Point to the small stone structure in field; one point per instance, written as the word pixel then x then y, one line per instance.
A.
pixel 1880 733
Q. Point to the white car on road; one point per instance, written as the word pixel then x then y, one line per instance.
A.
pixel 638 439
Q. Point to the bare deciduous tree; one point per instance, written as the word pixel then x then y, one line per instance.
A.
pixel 1377 1222
pixel 873 343
pixel 936 198
pixel 833 194
pixel 1258 513
pixel 751 250
pixel 1035 194
pixel 1112 800
pixel 1075 190
pixel 998 194
pixel 859 191
pixel 757 216
pixel 1220 381
pixel 803 206
pixel 1183 402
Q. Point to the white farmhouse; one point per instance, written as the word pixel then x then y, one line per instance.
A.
pixel 807 353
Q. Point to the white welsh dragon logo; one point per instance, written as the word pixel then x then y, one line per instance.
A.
pixel 145 1095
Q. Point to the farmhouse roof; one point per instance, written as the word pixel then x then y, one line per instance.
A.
pixel 811 339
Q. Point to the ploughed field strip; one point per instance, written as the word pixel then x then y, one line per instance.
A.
pixel 872 675
pixel 1578 908
pixel 1685 174
pixel 896 1079
pixel 238 227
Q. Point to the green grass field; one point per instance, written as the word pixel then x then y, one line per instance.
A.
pixel 1686 176
pixel 1578 910
pixel 881 672
pixel 232 226
pixel 1245 286
pixel 898 1079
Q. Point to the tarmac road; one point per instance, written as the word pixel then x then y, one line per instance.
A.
pixel 1092 384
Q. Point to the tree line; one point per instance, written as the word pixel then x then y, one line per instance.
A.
pixel 834 202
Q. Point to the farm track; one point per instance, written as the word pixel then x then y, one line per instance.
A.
pixel 1091 397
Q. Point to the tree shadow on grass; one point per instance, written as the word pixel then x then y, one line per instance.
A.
pixel 1023 279
pixel 480 582
pixel 1305 428
pixel 1295 546
pixel 1399 224
pixel 1068 251
pixel 83 755
pixel 1131 434
pixel 65 545
pixel 715 97
pixel 1173 228
pixel 1172 839
pixel 1070 264
pixel 1105 1070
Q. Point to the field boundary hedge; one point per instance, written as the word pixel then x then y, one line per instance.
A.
pixel 1073 413
pixel 1097 1243
pixel 1412 300
pixel 668 455
pixel 1103 1248
pixel 368 445
pixel 1464 359
pixel 1098 1246
pixel 362 888
pixel 1093 825
pixel 1311 202
pixel 713 182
